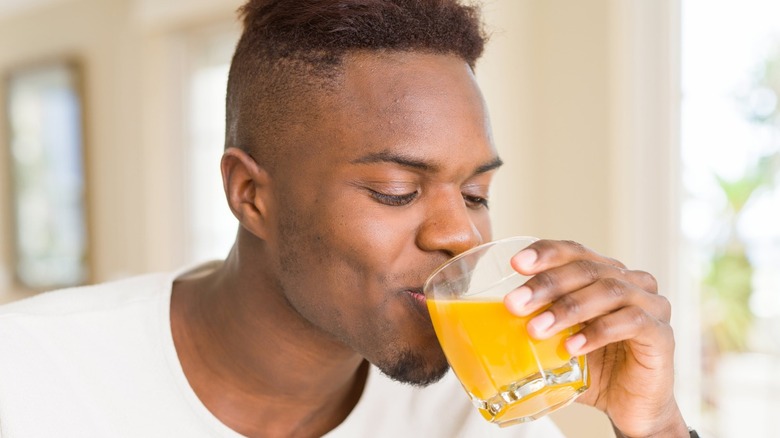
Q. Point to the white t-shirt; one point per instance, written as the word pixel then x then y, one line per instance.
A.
pixel 99 361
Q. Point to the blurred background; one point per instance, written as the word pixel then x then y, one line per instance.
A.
pixel 647 130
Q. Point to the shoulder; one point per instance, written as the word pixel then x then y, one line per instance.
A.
pixel 82 358
pixel 69 322
pixel 86 299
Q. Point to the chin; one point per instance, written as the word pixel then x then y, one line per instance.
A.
pixel 414 368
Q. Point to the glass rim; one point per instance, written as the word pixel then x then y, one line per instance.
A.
pixel 476 249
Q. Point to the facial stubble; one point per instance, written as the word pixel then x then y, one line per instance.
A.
pixel 393 357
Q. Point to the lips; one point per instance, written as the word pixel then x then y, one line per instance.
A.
pixel 417 294
pixel 417 300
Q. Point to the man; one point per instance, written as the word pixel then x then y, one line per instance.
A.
pixel 358 158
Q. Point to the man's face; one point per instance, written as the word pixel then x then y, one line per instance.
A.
pixel 388 182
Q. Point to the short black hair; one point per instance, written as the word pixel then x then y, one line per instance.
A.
pixel 292 49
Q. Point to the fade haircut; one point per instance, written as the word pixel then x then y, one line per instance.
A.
pixel 292 51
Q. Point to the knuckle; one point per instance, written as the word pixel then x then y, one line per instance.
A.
pixel 576 247
pixel 543 281
pixel 647 281
pixel 543 246
pixel 614 287
pixel 567 305
pixel 604 328
pixel 669 334
pixel 588 268
pixel 665 307
pixel 637 316
pixel 617 263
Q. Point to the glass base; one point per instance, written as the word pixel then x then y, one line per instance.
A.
pixel 536 395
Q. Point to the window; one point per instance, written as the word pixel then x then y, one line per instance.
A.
pixel 211 225
pixel 47 168
pixel 731 213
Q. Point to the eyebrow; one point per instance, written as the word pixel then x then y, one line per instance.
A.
pixel 487 167
pixel 406 161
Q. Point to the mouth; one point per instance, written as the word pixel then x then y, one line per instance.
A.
pixel 418 300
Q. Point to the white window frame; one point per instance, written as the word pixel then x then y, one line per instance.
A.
pixel 646 170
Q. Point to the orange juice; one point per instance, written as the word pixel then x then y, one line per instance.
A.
pixel 509 376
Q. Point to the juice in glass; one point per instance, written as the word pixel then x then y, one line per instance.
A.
pixel 510 377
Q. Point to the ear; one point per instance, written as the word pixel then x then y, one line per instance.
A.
pixel 248 190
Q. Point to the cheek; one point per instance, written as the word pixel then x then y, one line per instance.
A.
pixel 335 271
pixel 338 251
pixel 377 238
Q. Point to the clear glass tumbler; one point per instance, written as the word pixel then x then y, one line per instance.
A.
pixel 510 377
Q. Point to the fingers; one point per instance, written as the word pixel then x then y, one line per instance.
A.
pixel 650 339
pixel 576 286
pixel 553 284
pixel 595 301
pixel 545 254
pixel 619 319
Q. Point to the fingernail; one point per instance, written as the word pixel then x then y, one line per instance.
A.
pixel 542 322
pixel 575 343
pixel 526 258
pixel 517 300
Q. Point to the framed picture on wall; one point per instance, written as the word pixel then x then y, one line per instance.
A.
pixel 44 111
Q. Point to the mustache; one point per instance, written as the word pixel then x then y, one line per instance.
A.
pixel 413 279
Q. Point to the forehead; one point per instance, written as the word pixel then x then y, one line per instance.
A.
pixel 396 81
pixel 426 106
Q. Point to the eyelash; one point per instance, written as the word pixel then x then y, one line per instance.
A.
pixel 401 200
pixel 394 200
pixel 477 201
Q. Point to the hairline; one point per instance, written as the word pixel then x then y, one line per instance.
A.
pixel 313 89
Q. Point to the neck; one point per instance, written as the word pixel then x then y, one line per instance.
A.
pixel 254 362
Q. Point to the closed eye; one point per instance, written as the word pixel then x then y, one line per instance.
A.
pixel 475 202
pixel 393 200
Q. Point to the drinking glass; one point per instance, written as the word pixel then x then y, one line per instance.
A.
pixel 510 377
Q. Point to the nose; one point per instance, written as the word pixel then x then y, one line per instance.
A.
pixel 448 226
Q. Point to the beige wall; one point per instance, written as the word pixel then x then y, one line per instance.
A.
pixel 545 77
pixel 91 32
pixel 129 95
pixel 559 77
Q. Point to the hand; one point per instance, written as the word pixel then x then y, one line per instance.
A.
pixel 625 331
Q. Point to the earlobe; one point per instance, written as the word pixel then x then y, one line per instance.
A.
pixel 248 190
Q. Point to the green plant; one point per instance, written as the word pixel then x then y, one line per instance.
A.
pixel 727 286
